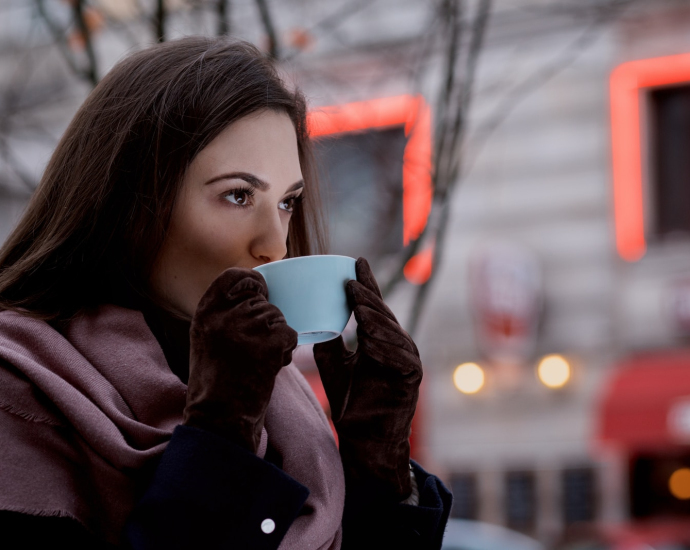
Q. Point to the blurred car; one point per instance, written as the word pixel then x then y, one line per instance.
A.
pixel 464 534
pixel 641 535
pixel 626 546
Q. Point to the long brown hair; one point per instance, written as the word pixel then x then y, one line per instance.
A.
pixel 98 218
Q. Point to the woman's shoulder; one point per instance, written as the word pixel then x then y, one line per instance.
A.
pixel 28 343
pixel 20 330
pixel 9 317
pixel 41 358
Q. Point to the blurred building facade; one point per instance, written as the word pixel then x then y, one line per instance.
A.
pixel 526 455
pixel 538 203
pixel 536 262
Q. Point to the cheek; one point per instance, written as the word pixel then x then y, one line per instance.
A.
pixel 212 246
pixel 198 242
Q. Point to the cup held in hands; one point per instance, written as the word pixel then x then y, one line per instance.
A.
pixel 310 292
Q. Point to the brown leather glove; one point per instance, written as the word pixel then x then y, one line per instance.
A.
pixel 239 342
pixel 372 393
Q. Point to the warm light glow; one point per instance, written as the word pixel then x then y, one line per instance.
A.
pixel 679 484
pixel 554 371
pixel 468 378
pixel 627 81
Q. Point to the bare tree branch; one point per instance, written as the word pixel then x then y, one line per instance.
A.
pixel 455 157
pixel 267 21
pixel 59 36
pixel 450 13
pixel 444 191
pixel 91 70
pixel 540 77
pixel 465 92
pixel 223 14
pixel 19 103
pixel 159 20
pixel 333 20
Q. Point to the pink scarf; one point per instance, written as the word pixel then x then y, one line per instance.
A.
pixel 85 415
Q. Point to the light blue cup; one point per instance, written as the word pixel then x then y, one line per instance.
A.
pixel 310 292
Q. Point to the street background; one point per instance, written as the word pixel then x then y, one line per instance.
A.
pixel 518 174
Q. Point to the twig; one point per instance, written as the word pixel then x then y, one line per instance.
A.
pixel 223 13
pixel 267 21
pixel 59 37
pixel 456 136
pixel 540 77
pixel 450 12
pixel 529 85
pixel 428 41
pixel 159 20
pixel 465 92
pixel 333 20
pixel 91 71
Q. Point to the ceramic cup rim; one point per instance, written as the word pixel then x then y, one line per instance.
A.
pixel 303 258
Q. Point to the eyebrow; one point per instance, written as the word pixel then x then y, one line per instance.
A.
pixel 252 180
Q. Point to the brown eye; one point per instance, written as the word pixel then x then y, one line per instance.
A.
pixel 239 197
pixel 289 204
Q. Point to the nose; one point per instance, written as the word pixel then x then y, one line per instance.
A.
pixel 270 242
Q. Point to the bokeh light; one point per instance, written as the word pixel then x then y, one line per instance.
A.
pixel 554 371
pixel 679 484
pixel 468 378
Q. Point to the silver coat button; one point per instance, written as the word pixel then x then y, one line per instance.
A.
pixel 268 526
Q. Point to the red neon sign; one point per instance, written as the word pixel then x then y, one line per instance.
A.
pixel 626 84
pixel 414 114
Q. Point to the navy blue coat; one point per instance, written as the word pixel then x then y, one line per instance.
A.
pixel 210 491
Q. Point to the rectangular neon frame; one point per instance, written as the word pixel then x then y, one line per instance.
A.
pixel 409 111
pixel 626 84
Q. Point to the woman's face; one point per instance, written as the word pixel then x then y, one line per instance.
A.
pixel 233 209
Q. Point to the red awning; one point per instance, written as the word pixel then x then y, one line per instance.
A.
pixel 646 403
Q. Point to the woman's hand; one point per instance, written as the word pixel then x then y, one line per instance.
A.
pixel 372 393
pixel 239 343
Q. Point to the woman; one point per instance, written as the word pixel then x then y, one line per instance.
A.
pixel 147 394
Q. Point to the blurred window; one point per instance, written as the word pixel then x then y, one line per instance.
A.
pixel 521 501
pixel 361 176
pixel 579 495
pixel 670 118
pixel 465 502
